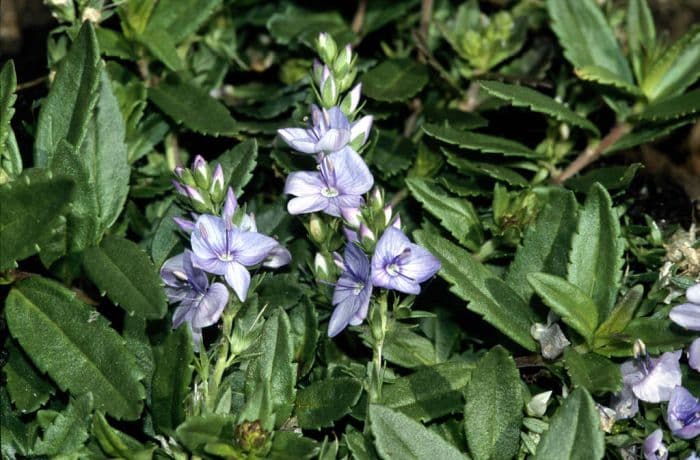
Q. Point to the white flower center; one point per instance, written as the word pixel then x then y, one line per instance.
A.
pixel 358 288
pixel 392 269
pixel 329 192
pixel 226 257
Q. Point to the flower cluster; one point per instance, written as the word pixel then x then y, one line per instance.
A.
pixel 337 188
pixel 225 242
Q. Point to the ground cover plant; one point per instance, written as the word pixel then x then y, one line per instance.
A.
pixel 374 230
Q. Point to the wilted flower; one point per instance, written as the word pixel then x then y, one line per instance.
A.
pixel 352 290
pixel 683 414
pixel 342 180
pixel 401 265
pixel 550 336
pixel 201 305
pixel 625 404
pixel 654 448
pixel 687 315
pixel 652 379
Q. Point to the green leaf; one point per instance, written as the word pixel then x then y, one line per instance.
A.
pixel 120 268
pixel 481 142
pixel 67 109
pixel 405 348
pixel 495 171
pixel 647 133
pixel 493 412
pixel 170 385
pixel 26 386
pixel 521 96
pixel 166 236
pixel 8 84
pixel 32 211
pixel 325 401
pixel 545 245
pixel 274 364
pixel 593 372
pixel 659 335
pixel 291 446
pixel 296 24
pixel 197 431
pixel 683 105
pixel 487 294
pixel 162 46
pixel 586 37
pixel 610 177
pixel 620 316
pixel 181 18
pixel 359 445
pixel 68 431
pixel 305 334
pixel 75 345
pixel 114 44
pixel 238 164
pixel 568 301
pixel 574 432
pixel 456 215
pixel 398 436
pixel 10 158
pixel 193 107
pixel 641 35
pixel 603 76
pixel 676 69
pixel 15 435
pixel 430 392
pixel 395 80
pixel 595 259
pixel 116 444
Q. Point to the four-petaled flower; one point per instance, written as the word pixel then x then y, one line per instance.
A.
pixel 652 379
pixel 352 290
pixel 342 180
pixel 401 265
pixel 683 414
pixel 201 305
pixel 654 447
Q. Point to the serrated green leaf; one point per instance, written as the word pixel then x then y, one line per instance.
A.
pixel 493 412
pixel 647 133
pixel 28 390
pixel 197 431
pixel 325 401
pixel 75 346
pixel 32 210
pixel 239 163
pixel 391 154
pixel 610 177
pixel 587 38
pixel 620 316
pixel 120 268
pixel 456 215
pixel 167 235
pixel 116 444
pixel 522 96
pixel 545 244
pixel 430 392
pixel 676 69
pixel 193 107
pixel 495 171
pixel 8 84
pixel 603 76
pixel 68 431
pixel 593 372
pixel 15 436
pixel 10 158
pixel 574 432
pixel 181 18
pixel 398 436
pixel 487 294
pixel 641 35
pixel 477 141
pixel 574 306
pixel 595 259
pixel 162 46
pixel 274 364
pixel 683 105
pixel 68 108
pixel 395 80
pixel 292 446
pixel 359 445
pixel 171 380
pixel 659 335
pixel 296 24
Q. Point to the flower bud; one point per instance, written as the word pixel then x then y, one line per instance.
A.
pixel 326 47
pixel 366 234
pixel 396 223
pixel 250 436
pixel 338 261
pixel 388 212
pixel 351 100
pixel 185 225
pixel 202 172
pixel 217 184
pixel 321 268
pixel 92 14
pixel 342 63
pixel 317 229
pixel 345 81
pixel 359 132
pixel 538 404
pixel 317 72
pixel 230 205
pixel 351 216
pixel 198 202
pixel 376 200
pixel 179 188
pixel 639 349
pixel 328 89
pixel 185 176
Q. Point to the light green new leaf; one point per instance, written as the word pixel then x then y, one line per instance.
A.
pixel 67 109
pixel 545 245
pixel 574 306
pixel 181 18
pixel 27 388
pixel 429 392
pixel 586 36
pixel 476 141
pixel 75 346
pixel 195 432
pixel 116 444
pixel 595 259
pixel 120 268
pixel 493 412
pixel 32 211
pixel 676 69
pixel 193 107
pixel 273 363
pixel 574 432
pixel 456 214
pixel 68 431
pixel 325 401
pixel 593 372
pixel 620 316
pixel 8 83
pixel 395 80
pixel 603 76
pixel 487 294
pixel 238 164
pixel 683 105
pixel 522 96
pixel 171 380
pixel 641 35
pixel 398 436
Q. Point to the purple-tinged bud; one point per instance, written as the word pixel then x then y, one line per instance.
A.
pixel 326 47
pixel 376 199
pixel 317 72
pixel 338 261
pixel 359 132
pixel 179 188
pixel 217 184
pixel 185 176
pixel 194 194
pixel 178 171
pixel 397 222
pixel 202 172
pixel 185 225
pixel 328 89
pixel 351 216
pixel 230 205
pixel 350 235
pixel 388 212
pixel 366 234
pixel 342 63
pixel 352 100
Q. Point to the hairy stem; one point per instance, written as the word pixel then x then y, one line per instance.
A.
pixel 222 360
pixel 378 326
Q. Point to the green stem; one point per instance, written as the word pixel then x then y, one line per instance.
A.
pixel 378 326
pixel 223 359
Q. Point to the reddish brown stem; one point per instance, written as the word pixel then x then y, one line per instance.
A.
pixel 359 20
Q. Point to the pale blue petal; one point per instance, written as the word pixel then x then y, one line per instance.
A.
pixel 251 248
pixel 307 204
pixel 694 354
pixel 664 376
pixel 238 278
pixel 686 315
pixel 210 306
pixel 682 414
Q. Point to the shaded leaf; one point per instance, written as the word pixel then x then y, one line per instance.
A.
pixel 641 34
pixel 27 388
pixel 495 171
pixel 296 24
pixel 291 446
pixel 181 18
pixel 238 164
pixel 593 372
pixel 116 444
pixel 197 431
pixel 603 76
pixel 395 80
pixel 610 177
pixel 683 105
pixel 676 69
pixel 477 141
pixel 8 83
pixel 325 401
pixel 68 431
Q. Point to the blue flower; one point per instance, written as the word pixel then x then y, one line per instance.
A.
pixel 694 354
pixel 683 414
pixel 353 290
pixel 401 265
pixel 652 379
pixel 201 305
pixel 654 448
pixel 687 315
